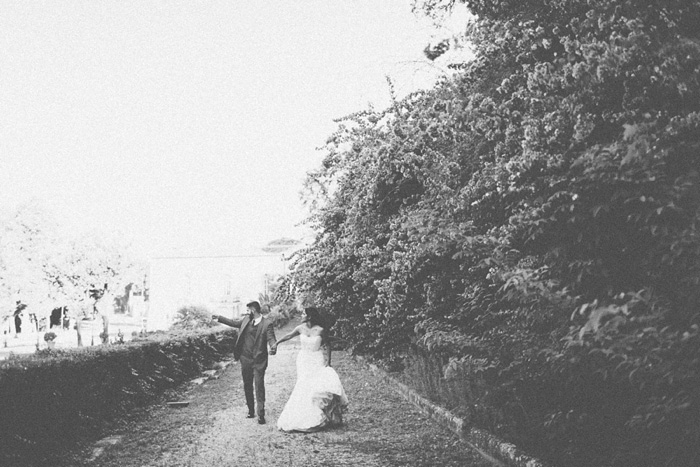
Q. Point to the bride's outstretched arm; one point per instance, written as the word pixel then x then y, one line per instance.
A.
pixel 286 337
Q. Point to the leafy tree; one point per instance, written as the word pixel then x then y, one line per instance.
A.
pixel 193 317
pixel 44 267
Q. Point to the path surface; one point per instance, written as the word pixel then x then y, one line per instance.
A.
pixel 381 428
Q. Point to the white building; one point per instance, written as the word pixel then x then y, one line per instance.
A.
pixel 223 284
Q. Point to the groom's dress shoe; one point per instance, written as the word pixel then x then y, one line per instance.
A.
pixel 261 420
pixel 250 415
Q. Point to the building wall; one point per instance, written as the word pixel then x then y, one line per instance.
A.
pixel 222 284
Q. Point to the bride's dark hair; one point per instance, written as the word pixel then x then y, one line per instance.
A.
pixel 313 316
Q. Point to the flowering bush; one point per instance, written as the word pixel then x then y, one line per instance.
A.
pixel 537 213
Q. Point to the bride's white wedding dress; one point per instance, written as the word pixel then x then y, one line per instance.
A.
pixel 318 398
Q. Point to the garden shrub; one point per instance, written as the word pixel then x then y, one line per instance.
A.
pixel 193 317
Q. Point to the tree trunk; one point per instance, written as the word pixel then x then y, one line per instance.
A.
pixel 105 329
pixel 78 329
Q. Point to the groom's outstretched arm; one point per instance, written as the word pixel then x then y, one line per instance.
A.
pixel 235 323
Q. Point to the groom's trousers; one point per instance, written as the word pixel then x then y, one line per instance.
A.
pixel 254 388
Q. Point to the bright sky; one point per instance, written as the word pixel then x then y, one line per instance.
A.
pixel 188 125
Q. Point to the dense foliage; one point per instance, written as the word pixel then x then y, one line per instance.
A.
pixel 533 220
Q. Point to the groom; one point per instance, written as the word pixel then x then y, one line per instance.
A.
pixel 256 332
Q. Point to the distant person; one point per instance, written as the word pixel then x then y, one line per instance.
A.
pixel 318 398
pixel 18 317
pixel 255 333
pixel 55 318
pixel 66 319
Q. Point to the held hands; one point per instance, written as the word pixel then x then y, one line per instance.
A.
pixel 273 349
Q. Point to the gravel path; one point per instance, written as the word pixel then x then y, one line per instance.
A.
pixel 381 428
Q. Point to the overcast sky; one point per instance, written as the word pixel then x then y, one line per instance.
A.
pixel 188 125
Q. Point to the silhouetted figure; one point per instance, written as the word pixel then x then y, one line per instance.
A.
pixel 55 319
pixel 18 316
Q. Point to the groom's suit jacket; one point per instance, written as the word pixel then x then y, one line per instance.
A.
pixel 264 335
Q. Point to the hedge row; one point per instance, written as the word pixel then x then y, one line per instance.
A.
pixel 54 398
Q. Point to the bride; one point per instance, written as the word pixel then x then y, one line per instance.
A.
pixel 318 398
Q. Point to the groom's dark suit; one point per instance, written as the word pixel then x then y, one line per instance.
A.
pixel 251 350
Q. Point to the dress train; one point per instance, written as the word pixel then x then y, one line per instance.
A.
pixel 318 398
